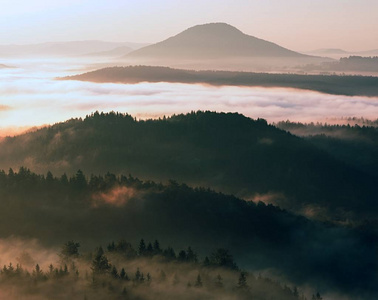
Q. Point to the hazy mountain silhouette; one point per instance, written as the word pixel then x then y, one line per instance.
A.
pixel 328 51
pixel 215 40
pixel 2 66
pixel 71 48
pixel 373 52
pixel 336 53
pixel 112 53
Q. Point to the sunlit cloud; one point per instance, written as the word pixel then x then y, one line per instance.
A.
pixel 30 96
pixel 117 196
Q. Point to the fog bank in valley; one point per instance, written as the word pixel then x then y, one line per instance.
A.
pixel 32 97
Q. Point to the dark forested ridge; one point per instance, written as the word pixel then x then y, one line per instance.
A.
pixel 329 84
pixel 95 209
pixel 227 152
pixel 355 144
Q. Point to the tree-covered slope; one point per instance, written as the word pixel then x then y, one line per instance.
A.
pixel 228 152
pixel 262 237
pixel 356 145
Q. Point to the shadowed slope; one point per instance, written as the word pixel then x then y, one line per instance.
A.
pixel 229 152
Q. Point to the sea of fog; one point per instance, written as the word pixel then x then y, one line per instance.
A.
pixel 30 96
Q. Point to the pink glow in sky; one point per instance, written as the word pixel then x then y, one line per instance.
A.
pixel 295 24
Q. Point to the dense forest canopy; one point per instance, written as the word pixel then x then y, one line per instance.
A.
pixel 227 152
pixel 93 209
pixel 149 271
pixel 355 144
pixel 302 213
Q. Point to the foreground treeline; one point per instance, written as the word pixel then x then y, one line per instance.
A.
pixel 96 208
pixel 146 272
pixel 226 152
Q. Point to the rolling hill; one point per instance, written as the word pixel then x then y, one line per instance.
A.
pixel 118 51
pixel 262 237
pixel 227 152
pixel 71 48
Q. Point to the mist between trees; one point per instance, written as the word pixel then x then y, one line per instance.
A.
pixel 148 271
pixel 227 152
pixel 263 238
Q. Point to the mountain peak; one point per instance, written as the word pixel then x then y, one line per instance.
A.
pixel 214 28
pixel 213 40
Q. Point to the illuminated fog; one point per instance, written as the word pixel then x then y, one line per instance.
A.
pixel 30 96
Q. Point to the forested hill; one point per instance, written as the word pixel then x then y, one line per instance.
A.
pixel 100 208
pixel 228 152
pixel 355 144
pixel 329 84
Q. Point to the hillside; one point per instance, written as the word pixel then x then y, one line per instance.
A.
pixel 330 84
pixel 261 237
pixel 120 271
pixel 228 152
pixel 215 40
pixel 356 145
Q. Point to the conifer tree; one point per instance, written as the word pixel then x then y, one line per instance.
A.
pixel 198 282
pixel 100 264
pixel 142 248
pixel 242 283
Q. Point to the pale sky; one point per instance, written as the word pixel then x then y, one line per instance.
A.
pixel 296 24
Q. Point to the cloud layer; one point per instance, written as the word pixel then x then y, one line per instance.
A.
pixel 31 97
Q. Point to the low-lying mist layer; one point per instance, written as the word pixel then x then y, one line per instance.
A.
pixel 32 97
pixel 147 272
pixel 262 237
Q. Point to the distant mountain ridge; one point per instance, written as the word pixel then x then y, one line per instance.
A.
pixel 331 84
pixel 70 48
pixel 2 66
pixel 327 51
pixel 339 53
pixel 214 40
pixel 112 53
